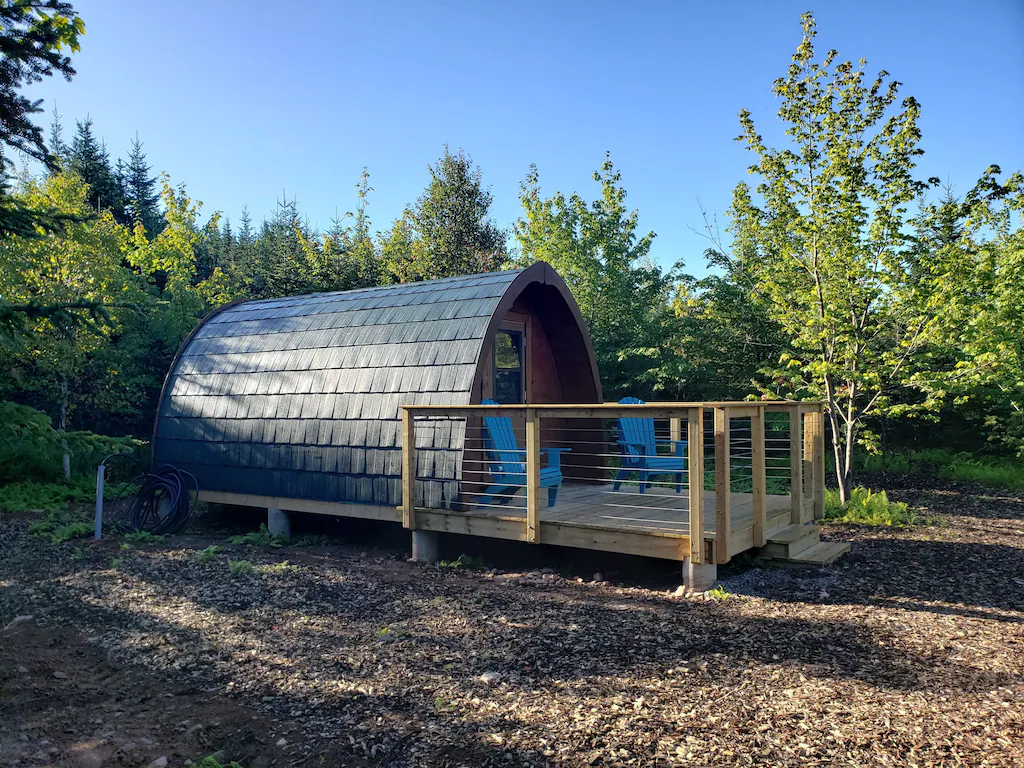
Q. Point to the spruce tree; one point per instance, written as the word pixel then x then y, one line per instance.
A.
pixel 448 232
pixel 32 39
pixel 90 160
pixel 245 230
pixel 230 246
pixel 59 148
pixel 141 196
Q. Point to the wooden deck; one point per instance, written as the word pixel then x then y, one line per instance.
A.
pixel 658 523
pixel 592 515
pixel 658 512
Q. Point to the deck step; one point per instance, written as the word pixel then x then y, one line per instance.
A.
pixel 791 541
pixel 822 553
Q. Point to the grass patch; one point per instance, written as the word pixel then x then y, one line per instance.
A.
pixel 240 567
pixel 261 538
pixel 949 465
pixel 994 474
pixel 866 507
pixel 115 563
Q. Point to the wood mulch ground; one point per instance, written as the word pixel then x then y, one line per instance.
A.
pixel 908 652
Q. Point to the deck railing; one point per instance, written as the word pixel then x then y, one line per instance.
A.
pixel 756 451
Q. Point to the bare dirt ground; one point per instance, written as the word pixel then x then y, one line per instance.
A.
pixel 909 651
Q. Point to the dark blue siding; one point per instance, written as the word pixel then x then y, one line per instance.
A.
pixel 299 397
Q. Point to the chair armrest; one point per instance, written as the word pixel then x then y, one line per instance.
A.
pixel 555 455
pixel 628 443
pixel 679 446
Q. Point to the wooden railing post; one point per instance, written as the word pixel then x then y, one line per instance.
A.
pixel 818 461
pixel 723 511
pixel 408 469
pixel 758 478
pixel 532 476
pixel 796 466
pixel 695 452
pixel 675 429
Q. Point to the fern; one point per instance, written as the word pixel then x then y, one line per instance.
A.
pixel 865 507
pixel 261 538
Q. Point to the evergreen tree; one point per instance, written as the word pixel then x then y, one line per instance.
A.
pixel 32 39
pixel 90 160
pixel 32 36
pixel 142 200
pixel 361 262
pixel 230 246
pixel 245 230
pixel 448 230
pixel 59 148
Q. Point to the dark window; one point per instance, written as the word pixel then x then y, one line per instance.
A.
pixel 508 367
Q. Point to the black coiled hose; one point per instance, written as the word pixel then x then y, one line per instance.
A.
pixel 166 500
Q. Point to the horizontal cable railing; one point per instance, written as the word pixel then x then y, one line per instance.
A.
pixel 694 470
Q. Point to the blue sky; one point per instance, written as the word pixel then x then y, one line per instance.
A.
pixel 246 101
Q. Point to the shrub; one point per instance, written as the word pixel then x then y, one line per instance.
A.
pixel 30 447
pixel 32 450
pixel 865 507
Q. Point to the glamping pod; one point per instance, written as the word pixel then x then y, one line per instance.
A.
pixel 299 398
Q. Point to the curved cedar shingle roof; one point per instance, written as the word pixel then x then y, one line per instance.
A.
pixel 310 388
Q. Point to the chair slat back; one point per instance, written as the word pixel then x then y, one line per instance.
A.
pixel 637 433
pixel 500 442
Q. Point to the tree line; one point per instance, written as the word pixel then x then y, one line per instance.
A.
pixel 842 274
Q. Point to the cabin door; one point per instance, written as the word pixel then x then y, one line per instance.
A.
pixel 510 363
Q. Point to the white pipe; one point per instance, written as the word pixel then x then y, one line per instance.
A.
pixel 100 471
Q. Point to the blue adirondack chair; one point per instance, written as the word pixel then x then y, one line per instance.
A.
pixel 508 462
pixel 640 451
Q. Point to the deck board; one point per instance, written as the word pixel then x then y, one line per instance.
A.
pixel 659 510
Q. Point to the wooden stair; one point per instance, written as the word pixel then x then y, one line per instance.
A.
pixel 800 546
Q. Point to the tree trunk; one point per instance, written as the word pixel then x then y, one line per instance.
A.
pixel 62 426
pixel 837 451
pixel 846 477
pixel 837 448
